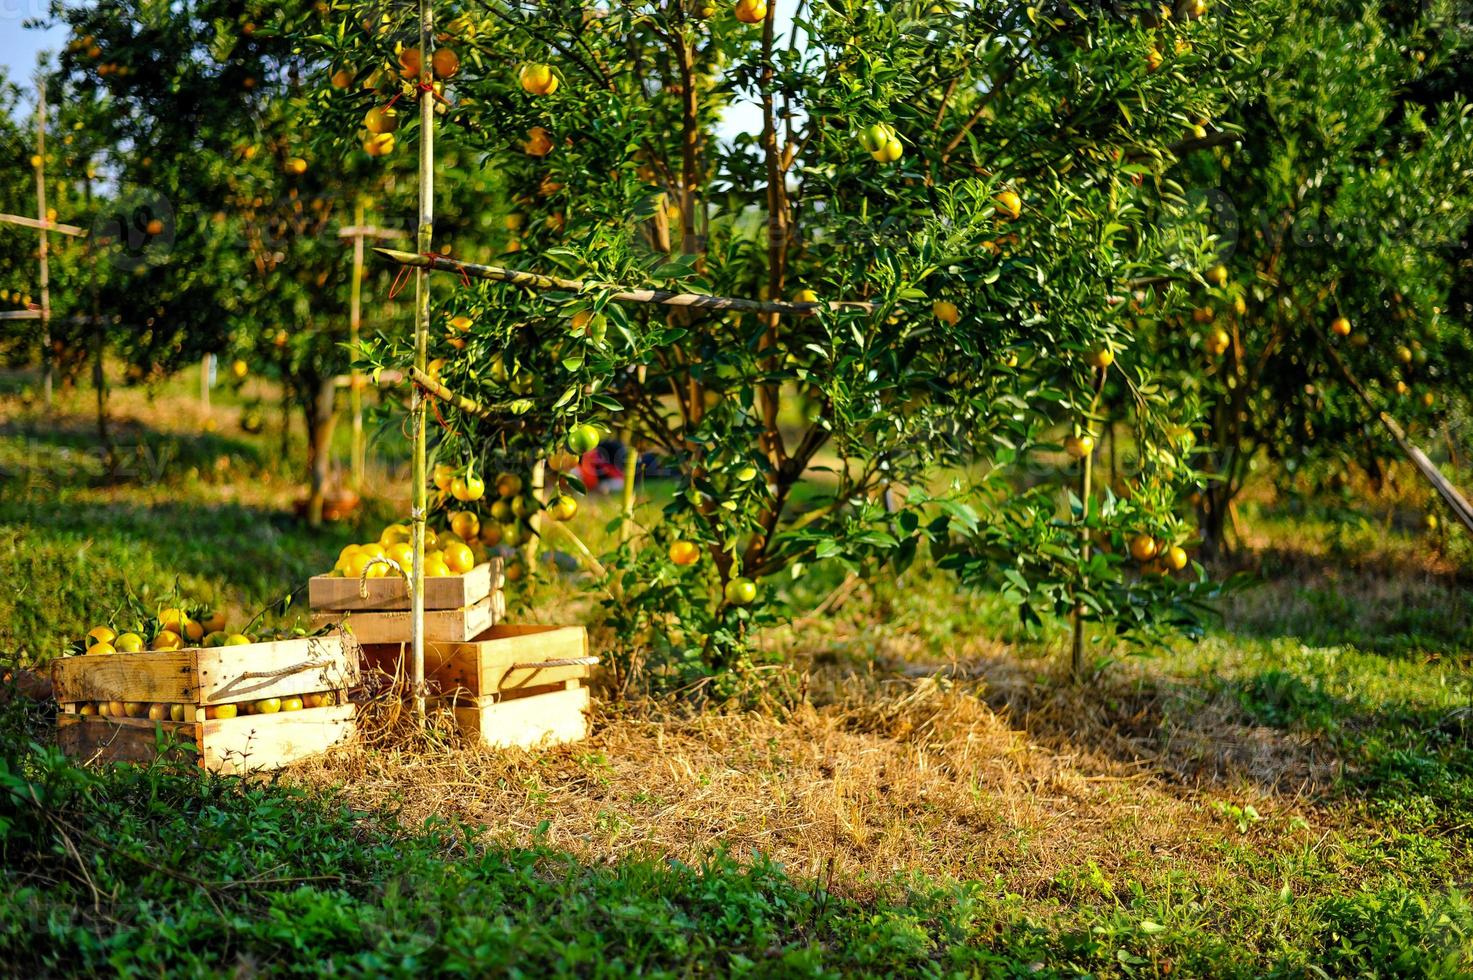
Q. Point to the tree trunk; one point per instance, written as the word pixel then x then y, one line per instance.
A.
pixel 322 419
pixel 288 400
pixel 1212 520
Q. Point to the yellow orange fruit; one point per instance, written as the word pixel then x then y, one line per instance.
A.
pixel 445 63
pixel 465 524
pixel 685 552
pixel 537 79
pixel 1079 446
pixel 563 507
pixel 538 142
pixel 1143 547
pixel 751 11
pixel 458 558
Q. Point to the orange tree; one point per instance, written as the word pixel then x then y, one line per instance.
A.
pixel 1339 218
pixel 987 179
pixel 219 231
pixel 17 245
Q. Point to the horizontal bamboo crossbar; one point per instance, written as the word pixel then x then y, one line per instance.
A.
pixel 39 225
pixel 664 297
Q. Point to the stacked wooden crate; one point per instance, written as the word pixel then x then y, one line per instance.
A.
pixel 518 685
pixel 130 707
pixel 377 610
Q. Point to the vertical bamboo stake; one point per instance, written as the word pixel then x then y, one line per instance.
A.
pixel 204 382
pixel 1076 658
pixel 355 326
pixel 538 519
pixel 421 344
pixel 631 472
pixel 99 377
pixel 45 245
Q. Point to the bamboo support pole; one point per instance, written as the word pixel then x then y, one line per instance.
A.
pixel 424 241
pixel 1455 501
pixel 537 521
pixel 1076 650
pixel 1086 490
pixel 355 327
pixel 631 473
pixel 703 301
pixel 42 225
pixel 496 413
pixel 45 284
pixel 99 334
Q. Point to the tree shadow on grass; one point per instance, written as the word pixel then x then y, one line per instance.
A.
pixel 52 451
pixel 215 552
pixel 1391 604
pixel 1273 729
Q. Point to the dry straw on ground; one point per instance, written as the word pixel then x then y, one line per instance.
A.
pixel 884 775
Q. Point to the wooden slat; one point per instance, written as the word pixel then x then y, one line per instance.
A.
pixel 93 739
pixel 453 625
pixel 327 592
pixel 232 745
pixel 530 722
pixel 170 676
pixel 206 676
pixel 484 665
pixel 253 742
pixel 221 669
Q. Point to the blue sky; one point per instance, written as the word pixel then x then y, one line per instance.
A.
pixel 18 46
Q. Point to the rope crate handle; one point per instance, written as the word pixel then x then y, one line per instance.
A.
pixel 565 662
pixel 393 565
pixel 284 671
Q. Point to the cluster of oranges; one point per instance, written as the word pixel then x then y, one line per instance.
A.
pixel 164 711
pixel 381 122
pixel 171 629
pixel 1157 557
pixel 447 552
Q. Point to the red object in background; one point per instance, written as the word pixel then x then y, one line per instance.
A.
pixel 597 467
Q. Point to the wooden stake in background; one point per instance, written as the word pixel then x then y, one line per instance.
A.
pixel 1455 501
pixel 46 358
pixel 358 231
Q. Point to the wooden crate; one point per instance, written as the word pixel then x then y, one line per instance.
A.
pixel 533 721
pixel 226 745
pixel 199 680
pixel 506 686
pixel 441 625
pixel 327 592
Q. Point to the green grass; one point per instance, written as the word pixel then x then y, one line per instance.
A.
pixel 139 871
pixel 1342 659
